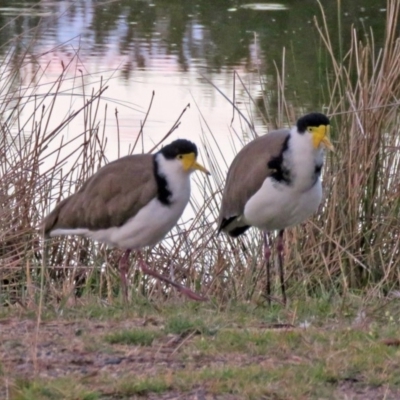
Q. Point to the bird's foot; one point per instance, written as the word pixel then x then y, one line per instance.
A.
pixel 184 290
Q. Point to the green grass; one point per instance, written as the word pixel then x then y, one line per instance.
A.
pixel 185 324
pixel 339 353
pixel 141 386
pixel 63 388
pixel 135 337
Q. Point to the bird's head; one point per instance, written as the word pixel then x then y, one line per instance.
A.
pixel 184 151
pixel 316 125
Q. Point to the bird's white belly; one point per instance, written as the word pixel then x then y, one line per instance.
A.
pixel 146 228
pixel 275 206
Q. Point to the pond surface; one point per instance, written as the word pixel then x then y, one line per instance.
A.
pixel 169 46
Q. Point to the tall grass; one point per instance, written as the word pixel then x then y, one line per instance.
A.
pixel 358 228
pixel 353 242
pixel 39 164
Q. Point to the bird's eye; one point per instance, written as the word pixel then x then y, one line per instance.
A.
pixel 310 129
pixel 180 156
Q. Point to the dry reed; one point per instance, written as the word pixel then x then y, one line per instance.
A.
pixel 353 242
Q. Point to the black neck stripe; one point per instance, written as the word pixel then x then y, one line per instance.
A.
pixel 163 193
pixel 280 172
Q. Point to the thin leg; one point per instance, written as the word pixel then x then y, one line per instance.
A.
pixel 186 291
pixel 280 261
pixel 267 256
pixel 123 272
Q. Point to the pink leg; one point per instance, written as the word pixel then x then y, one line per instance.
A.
pixel 280 249
pixel 186 291
pixel 123 271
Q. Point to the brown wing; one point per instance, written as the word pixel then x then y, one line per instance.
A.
pixel 110 197
pixel 246 174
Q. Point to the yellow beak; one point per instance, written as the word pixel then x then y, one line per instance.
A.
pixel 321 136
pixel 189 163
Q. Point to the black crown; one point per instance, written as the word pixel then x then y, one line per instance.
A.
pixel 180 146
pixel 313 119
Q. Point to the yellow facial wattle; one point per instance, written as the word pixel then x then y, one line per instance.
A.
pixel 320 135
pixel 189 162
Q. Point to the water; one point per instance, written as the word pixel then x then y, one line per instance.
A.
pixel 167 47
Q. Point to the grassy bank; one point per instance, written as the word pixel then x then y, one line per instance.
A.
pixel 324 348
pixel 336 339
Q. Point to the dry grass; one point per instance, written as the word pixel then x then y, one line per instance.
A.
pixel 357 231
pixel 353 242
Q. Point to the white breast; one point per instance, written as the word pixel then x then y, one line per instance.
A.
pixel 146 228
pixel 153 221
pixel 278 205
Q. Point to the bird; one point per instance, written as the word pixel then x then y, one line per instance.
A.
pixel 274 183
pixel 131 203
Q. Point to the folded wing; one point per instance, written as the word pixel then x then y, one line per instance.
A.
pixel 106 199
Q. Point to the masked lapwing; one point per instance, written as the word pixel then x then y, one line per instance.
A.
pixel 131 203
pixel 274 183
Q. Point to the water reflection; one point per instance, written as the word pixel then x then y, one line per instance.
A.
pixel 163 45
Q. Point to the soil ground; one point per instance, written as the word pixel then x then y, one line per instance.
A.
pixel 189 353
